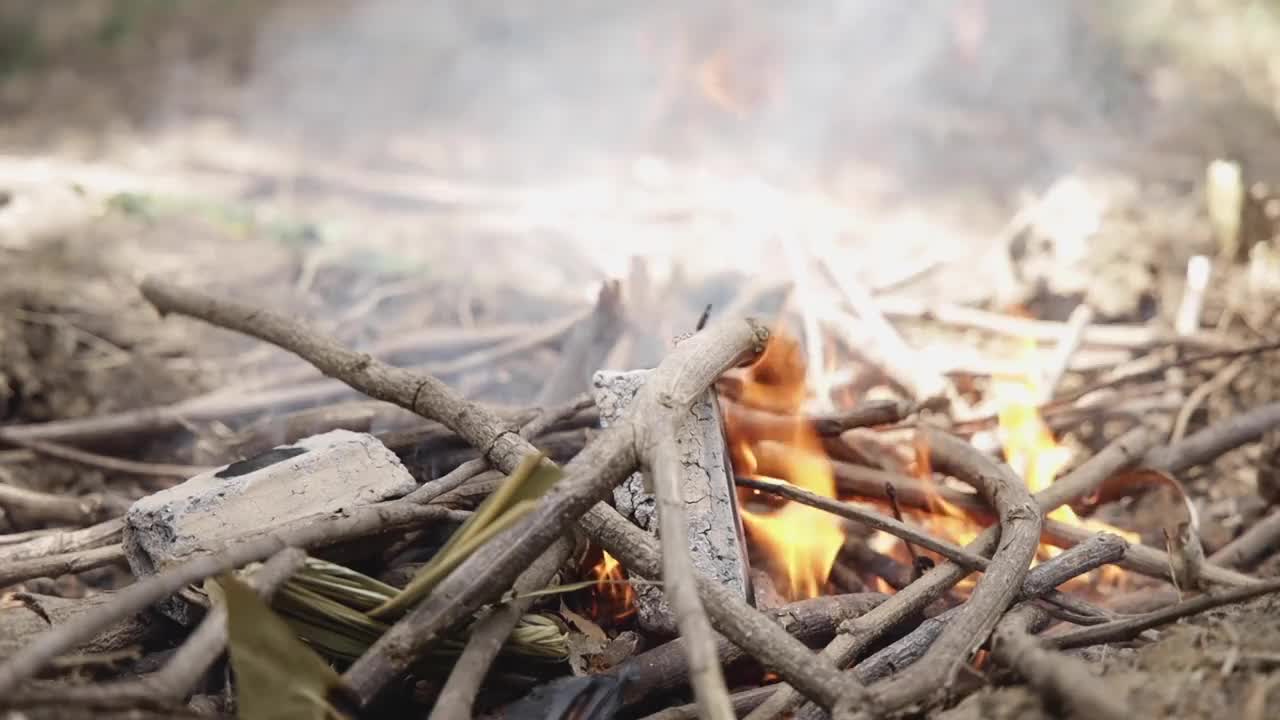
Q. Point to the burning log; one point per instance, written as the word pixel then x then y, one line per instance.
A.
pixel 715 531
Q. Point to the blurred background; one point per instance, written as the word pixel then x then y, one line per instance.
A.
pixel 512 157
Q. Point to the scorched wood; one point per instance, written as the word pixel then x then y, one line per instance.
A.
pixel 716 539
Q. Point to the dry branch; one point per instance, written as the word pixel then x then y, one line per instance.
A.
pixel 174 681
pixel 764 640
pixel 1209 443
pixel 102 462
pixel 490 634
pixel 1039 580
pixel 666 464
pixel 665 668
pixel 62 564
pixel 232 403
pixel 587 347
pixel 999 585
pixel 63 541
pixel 1129 337
pixel 1253 545
pixel 307 532
pixel 1056 676
pixel 32 507
pixel 687 372
pixel 864 631
pixel 762 423
pixel 1130 627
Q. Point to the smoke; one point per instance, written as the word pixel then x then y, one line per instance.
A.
pixel 794 92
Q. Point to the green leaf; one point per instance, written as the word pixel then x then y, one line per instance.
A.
pixel 277 676
pixel 515 498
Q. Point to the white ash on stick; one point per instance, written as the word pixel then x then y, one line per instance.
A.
pixel 320 474
pixel 715 529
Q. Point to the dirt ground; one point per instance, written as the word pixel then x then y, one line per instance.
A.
pixel 241 148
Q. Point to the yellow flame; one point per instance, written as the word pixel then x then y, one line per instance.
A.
pixel 802 542
pixel 1033 452
pixel 614 598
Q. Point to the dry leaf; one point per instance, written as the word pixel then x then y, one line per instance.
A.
pixel 277 676
pixel 588 642
pixel 515 498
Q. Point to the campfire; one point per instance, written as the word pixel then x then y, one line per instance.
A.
pixel 892 434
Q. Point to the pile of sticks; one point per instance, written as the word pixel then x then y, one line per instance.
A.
pixel 883 654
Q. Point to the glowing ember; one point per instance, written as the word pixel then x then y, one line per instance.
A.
pixel 801 542
pixel 614 598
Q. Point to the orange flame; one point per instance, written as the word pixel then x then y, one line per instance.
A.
pixel 614 598
pixel 1032 452
pixel 802 542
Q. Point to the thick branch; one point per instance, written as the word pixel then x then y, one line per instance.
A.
pixel 678 577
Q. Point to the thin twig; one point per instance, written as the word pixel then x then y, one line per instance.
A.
pixel 451 480
pixel 62 564
pixel 173 682
pixel 63 541
pixel 611 457
pixel 1131 627
pixel 490 634
pixel 305 532
pixel 916 568
pixel 104 462
pixel 870 518
pixel 39 508
pixel 1072 335
pixel 1121 453
pixel 1220 380
pixel 1000 583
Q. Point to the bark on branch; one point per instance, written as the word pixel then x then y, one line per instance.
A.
pixel 688 371
pixel 867 629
